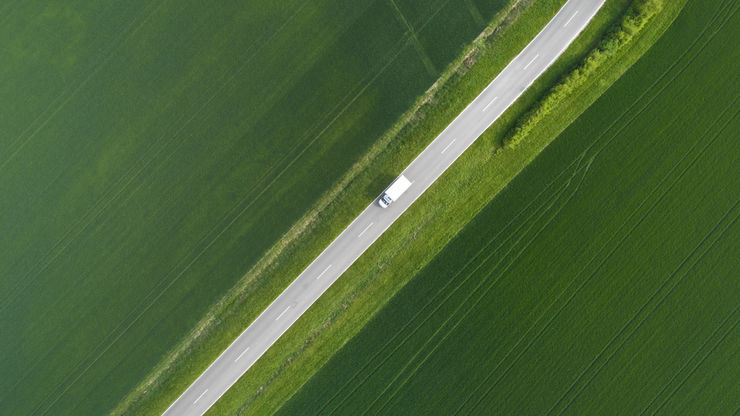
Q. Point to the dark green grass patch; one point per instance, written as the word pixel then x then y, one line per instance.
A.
pixel 601 281
pixel 152 151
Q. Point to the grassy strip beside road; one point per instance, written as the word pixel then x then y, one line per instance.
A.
pixel 434 219
pixel 601 281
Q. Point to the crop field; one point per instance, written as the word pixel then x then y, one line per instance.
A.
pixel 603 280
pixel 151 151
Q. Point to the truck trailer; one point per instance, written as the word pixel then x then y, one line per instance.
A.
pixel 397 188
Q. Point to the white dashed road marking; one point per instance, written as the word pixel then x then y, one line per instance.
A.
pixel 366 228
pixel 201 396
pixel 489 104
pixel 322 273
pixel 571 18
pixel 530 62
pixel 242 354
pixel 281 315
pixel 448 146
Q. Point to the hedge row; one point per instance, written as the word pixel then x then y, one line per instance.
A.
pixel 636 17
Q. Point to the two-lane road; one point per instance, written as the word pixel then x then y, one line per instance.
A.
pixel 373 221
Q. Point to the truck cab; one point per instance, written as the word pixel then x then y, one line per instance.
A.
pixel 384 201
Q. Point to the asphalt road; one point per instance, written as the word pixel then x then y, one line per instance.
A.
pixel 373 221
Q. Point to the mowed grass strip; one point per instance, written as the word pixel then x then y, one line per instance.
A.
pixel 151 152
pixel 601 281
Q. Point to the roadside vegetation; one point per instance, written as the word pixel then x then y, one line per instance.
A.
pixel 638 15
pixel 151 152
pixel 602 280
pixel 418 236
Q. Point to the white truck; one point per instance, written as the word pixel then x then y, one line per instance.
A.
pixel 397 188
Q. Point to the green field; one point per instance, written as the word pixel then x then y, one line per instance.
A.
pixel 151 152
pixel 602 280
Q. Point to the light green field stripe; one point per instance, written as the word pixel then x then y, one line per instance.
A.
pixel 477 17
pixel 415 41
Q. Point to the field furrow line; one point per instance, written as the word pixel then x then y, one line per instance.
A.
pixel 669 174
pixel 686 364
pixel 626 221
pixel 53 104
pixel 657 298
pixel 303 142
pixel 529 221
pixel 323 123
pixel 699 364
pixel 578 161
pixel 151 159
pixel 618 244
pixel 423 55
pixel 475 13
pixel 327 120
pixel 101 205
pixel 603 261
pixel 517 344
